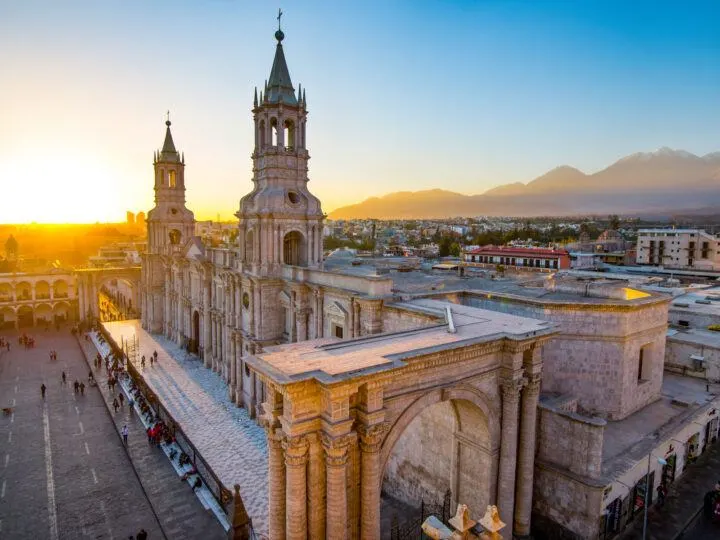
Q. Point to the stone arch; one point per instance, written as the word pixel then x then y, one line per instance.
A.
pixel 23 290
pixel 42 290
pixel 274 133
pixel 61 311
pixel 289 129
pixel 175 236
pixel 61 288
pixel 6 292
pixel 7 317
pixel 262 134
pixel 43 313
pixel 445 439
pixel 25 316
pixel 294 248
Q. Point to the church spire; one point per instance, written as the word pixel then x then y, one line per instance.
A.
pixel 279 87
pixel 168 152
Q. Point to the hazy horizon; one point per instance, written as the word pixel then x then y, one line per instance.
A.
pixel 403 96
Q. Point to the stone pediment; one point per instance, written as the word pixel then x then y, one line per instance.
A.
pixel 194 249
pixel 335 311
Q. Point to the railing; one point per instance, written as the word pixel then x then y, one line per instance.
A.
pixel 412 527
pixel 213 483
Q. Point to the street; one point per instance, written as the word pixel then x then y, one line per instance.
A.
pixel 63 470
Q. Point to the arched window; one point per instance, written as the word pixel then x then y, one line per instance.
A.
pixel 175 236
pixel 289 134
pixel 273 132
pixel 249 248
pixel 294 249
pixel 171 179
pixel 261 134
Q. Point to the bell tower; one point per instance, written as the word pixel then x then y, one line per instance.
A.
pixel 280 220
pixel 170 224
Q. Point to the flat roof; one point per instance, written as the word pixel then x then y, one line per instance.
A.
pixel 694 336
pixel 688 302
pixel 331 360
pixel 629 440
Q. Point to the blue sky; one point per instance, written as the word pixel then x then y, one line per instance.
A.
pixel 403 95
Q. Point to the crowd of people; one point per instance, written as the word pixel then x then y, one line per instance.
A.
pixel 26 341
pixel 4 344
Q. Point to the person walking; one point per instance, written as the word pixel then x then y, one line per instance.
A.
pixel 142 361
pixel 155 355
pixel 116 405
pixel 142 535
pixel 76 385
pixel 152 359
pixel 125 432
pixel 63 377
pixel 82 388
pixel 121 397
pixel 42 390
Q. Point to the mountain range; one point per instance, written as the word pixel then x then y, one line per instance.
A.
pixel 646 182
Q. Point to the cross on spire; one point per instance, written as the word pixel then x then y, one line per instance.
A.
pixel 167 118
pixel 280 14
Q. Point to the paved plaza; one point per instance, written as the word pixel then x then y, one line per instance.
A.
pixel 64 473
pixel 233 444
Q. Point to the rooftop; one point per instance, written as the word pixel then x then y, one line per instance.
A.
pixel 330 360
pixel 631 439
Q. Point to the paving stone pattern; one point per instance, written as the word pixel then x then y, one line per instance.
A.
pixel 180 512
pixel 95 491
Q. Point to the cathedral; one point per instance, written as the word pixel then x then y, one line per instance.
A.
pixel 369 393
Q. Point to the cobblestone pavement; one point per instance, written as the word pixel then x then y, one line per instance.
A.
pixel 64 473
pixel 180 512
pixel 684 500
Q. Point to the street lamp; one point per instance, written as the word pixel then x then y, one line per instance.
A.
pixel 661 461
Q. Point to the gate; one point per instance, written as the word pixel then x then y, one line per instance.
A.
pixel 413 527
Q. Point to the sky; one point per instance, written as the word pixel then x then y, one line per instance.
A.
pixel 402 94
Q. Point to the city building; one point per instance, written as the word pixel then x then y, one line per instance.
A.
pixel 35 299
pixel 685 249
pixel 544 396
pixel 521 258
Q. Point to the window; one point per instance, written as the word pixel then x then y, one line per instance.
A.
pixel 171 179
pixel 643 372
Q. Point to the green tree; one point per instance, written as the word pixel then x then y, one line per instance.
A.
pixel 454 249
pixel 614 222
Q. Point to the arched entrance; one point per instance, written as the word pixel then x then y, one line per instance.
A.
pixel 294 251
pixel 7 318
pixel 437 448
pixel 195 341
pixel 43 315
pixel 25 317
pixel 110 294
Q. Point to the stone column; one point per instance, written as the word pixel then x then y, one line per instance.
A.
pixel 526 457
pixel 233 369
pixel 207 339
pixel 276 484
pixel 370 481
pixel 296 458
pixel 301 325
pixel 336 456
pixel 508 450
pixel 316 488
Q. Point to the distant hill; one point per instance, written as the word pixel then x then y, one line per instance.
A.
pixel 661 181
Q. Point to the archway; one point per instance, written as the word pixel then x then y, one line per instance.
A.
pixel 61 312
pixel 6 293
pixel 23 291
pixel 441 446
pixel 294 251
pixel 42 290
pixel 117 298
pixel 195 341
pixel 7 318
pixel 43 314
pixel 60 289
pixel 25 317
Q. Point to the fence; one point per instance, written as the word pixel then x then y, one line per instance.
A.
pixel 213 483
pixel 412 528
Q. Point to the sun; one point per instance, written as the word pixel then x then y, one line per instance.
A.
pixel 46 187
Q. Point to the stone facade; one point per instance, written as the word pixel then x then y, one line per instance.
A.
pixel 32 299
